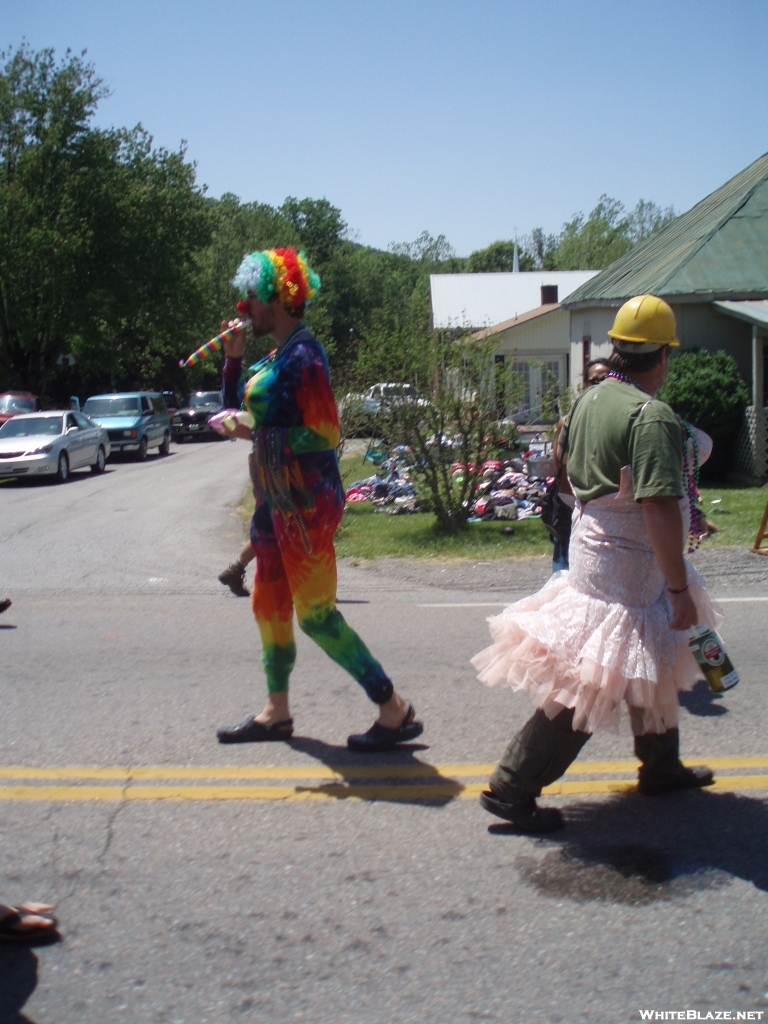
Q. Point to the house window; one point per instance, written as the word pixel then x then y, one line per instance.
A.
pixel 523 370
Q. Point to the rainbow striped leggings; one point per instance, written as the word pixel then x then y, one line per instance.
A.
pixel 288 578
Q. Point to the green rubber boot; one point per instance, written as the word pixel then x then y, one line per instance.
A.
pixel 537 756
pixel 661 770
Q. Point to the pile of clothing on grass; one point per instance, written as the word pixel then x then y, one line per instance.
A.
pixel 391 488
pixel 508 489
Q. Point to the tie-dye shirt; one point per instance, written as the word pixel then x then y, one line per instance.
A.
pixel 295 419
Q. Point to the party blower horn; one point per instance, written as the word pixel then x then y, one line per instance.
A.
pixel 215 344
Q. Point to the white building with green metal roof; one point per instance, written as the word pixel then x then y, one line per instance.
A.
pixel 711 266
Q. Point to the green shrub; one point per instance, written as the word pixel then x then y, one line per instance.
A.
pixel 706 389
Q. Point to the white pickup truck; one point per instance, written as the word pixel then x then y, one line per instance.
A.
pixel 380 396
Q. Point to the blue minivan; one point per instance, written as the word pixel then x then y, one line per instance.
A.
pixel 134 420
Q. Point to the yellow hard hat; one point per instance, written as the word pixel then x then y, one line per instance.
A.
pixel 644 324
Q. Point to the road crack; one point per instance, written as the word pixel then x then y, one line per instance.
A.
pixel 112 818
pixel 108 838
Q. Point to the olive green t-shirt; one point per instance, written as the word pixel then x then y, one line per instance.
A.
pixel 615 425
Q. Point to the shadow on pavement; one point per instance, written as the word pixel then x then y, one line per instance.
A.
pixel 701 701
pixel 383 777
pixel 635 849
pixel 49 480
pixel 18 979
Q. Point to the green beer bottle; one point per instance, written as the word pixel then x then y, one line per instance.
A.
pixel 709 652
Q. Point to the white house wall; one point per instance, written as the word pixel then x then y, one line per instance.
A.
pixel 546 335
pixel 540 341
pixel 705 326
pixel 593 323
pixel 699 325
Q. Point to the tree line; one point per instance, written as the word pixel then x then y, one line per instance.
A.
pixel 113 258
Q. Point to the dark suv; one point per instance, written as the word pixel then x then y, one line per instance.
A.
pixel 192 419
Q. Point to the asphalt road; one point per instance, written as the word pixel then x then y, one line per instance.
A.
pixel 194 884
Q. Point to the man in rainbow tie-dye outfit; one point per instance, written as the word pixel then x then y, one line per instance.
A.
pixel 293 422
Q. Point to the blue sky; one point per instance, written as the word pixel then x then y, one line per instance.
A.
pixel 468 118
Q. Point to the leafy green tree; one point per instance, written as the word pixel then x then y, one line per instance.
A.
pixel 97 234
pixel 50 182
pixel 541 248
pixel 706 389
pixel 318 224
pixel 149 305
pixel 607 234
pixel 425 249
pixel 396 348
pixel 646 219
pixel 498 257
pixel 593 243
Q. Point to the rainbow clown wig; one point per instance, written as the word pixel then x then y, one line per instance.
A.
pixel 283 273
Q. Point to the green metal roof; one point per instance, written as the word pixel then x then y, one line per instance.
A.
pixel 718 248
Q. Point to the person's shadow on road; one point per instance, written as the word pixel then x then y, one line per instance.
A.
pixel 397 776
pixel 18 979
pixel 702 701
pixel 635 849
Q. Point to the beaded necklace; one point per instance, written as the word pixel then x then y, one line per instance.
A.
pixel 628 380
pixel 691 468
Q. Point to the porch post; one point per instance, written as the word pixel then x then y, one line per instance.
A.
pixel 757 370
pixel 758 401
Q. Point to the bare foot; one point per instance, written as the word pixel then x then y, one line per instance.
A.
pixel 275 710
pixel 29 918
pixel 392 714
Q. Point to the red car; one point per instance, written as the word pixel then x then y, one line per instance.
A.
pixel 12 402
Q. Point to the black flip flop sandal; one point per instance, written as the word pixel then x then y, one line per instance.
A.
pixel 380 738
pixel 251 731
pixel 10 918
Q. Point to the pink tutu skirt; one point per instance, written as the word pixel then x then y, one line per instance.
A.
pixel 597 636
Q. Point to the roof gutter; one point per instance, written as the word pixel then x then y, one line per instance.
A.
pixel 679 300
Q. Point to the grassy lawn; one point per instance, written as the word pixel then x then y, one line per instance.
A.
pixel 365 533
pixel 736 512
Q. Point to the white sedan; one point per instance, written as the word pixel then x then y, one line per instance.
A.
pixel 53 443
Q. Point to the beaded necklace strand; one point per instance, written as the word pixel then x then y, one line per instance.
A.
pixel 691 468
pixel 628 380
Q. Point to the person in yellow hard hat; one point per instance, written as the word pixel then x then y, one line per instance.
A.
pixel 613 629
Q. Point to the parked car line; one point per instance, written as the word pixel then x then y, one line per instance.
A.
pixel 135 421
pixel 192 419
pixel 51 443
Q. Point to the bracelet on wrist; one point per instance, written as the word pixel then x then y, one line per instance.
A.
pixel 681 591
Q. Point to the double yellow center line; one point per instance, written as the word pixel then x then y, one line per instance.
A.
pixel 411 782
